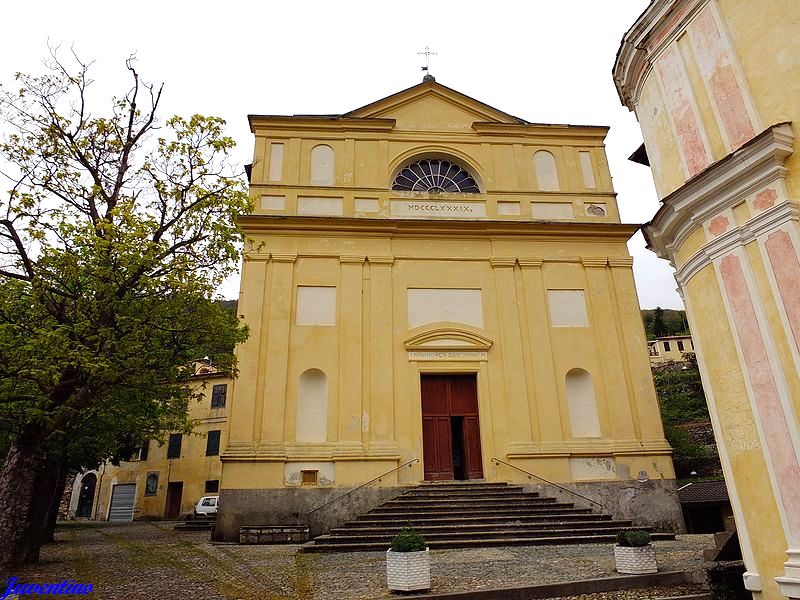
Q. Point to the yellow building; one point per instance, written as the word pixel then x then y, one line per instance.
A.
pixel 430 280
pixel 163 480
pixel 670 348
pixel 715 84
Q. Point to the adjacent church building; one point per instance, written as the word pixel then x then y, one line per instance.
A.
pixel 715 87
pixel 436 290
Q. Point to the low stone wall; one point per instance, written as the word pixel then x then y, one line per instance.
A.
pixel 274 534
pixel 651 503
pixel 291 506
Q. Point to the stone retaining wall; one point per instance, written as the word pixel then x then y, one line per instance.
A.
pixel 291 506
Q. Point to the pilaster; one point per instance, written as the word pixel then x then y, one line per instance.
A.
pixel 278 323
pixel 617 422
pixel 245 397
pixel 511 345
pixel 633 343
pixel 381 391
pixel 350 346
pixel 545 404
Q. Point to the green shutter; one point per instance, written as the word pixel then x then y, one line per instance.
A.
pixel 212 444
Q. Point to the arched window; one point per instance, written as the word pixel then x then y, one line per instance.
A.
pixel 582 404
pixel 312 407
pixel 151 485
pixel 546 172
pixel 435 175
pixel 86 497
pixel 322 165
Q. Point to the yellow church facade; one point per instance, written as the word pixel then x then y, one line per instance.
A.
pixel 714 84
pixel 431 283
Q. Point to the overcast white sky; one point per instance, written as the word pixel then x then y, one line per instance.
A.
pixel 547 62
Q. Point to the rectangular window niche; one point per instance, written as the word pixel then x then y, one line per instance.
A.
pixel 588 170
pixel 273 202
pixel 367 205
pixel 567 308
pixel 436 305
pixel 307 205
pixel 552 210
pixel 508 208
pixel 316 305
pixel 276 162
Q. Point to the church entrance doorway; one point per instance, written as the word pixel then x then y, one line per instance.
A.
pixel 451 442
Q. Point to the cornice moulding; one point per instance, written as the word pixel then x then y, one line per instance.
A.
pixel 655 29
pixel 448 338
pixel 718 187
pixel 253 224
pixel 726 243
pixel 322 123
pixel 597 133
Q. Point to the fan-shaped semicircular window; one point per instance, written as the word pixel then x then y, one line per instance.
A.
pixel 435 175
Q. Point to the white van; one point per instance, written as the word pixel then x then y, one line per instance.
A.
pixel 207 505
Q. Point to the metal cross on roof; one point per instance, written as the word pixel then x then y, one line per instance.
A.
pixel 427 54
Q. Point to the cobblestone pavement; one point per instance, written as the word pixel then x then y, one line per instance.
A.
pixel 150 560
pixel 654 593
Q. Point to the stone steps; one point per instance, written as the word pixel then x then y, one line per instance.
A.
pixel 496 533
pixel 458 502
pixel 356 546
pixel 410 515
pixel 490 519
pixel 472 484
pixel 470 515
pixel 427 529
pixel 201 523
pixel 555 517
pixel 461 492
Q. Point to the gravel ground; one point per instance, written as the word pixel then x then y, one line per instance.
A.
pixel 150 560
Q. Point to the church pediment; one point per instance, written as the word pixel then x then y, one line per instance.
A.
pixel 432 107
pixel 448 339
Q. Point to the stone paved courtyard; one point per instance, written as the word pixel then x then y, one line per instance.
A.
pixel 150 560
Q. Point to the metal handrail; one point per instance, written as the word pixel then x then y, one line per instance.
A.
pixel 378 478
pixel 497 461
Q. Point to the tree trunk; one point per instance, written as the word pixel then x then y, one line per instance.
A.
pixel 55 504
pixel 45 496
pixel 17 489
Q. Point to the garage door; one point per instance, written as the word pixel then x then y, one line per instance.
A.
pixel 122 499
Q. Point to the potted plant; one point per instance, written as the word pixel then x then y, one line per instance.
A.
pixel 408 565
pixel 633 553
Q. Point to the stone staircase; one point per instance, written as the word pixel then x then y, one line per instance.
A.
pixel 473 515
pixel 198 523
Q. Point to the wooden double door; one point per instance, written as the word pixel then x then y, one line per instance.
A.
pixel 451 441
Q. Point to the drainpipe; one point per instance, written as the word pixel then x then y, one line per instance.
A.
pixel 166 495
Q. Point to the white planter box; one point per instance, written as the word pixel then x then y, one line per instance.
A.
pixel 635 560
pixel 408 571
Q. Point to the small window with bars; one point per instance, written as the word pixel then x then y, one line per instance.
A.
pixel 174 446
pixel 309 477
pixel 218 394
pixel 212 487
pixel 212 442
